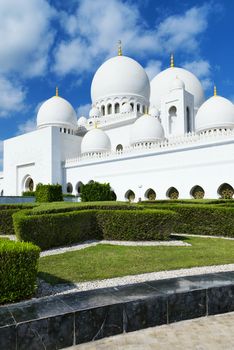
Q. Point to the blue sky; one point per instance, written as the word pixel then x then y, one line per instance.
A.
pixel 44 43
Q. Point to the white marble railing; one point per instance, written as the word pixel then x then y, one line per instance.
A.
pixel 172 142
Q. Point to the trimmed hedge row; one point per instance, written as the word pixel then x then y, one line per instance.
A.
pixel 48 193
pixel 18 270
pixel 216 220
pixel 6 222
pixel 51 230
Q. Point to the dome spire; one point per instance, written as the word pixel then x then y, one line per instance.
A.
pixel 56 92
pixel 120 53
pixel 215 90
pixel 172 61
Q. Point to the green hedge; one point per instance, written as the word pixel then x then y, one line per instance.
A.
pixel 96 191
pixel 51 230
pixel 136 225
pixel 48 193
pixel 6 212
pixel 18 270
pixel 28 194
pixel 204 219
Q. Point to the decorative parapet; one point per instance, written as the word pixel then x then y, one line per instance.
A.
pixel 172 142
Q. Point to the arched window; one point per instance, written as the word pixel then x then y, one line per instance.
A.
pixel 69 187
pixel 172 115
pixel 132 105
pixel 143 109
pixel 2 192
pixel 117 107
pixel 78 187
pixel 226 191
pixel 29 184
pixel 172 193
pixel 188 121
pixel 119 148
pixel 150 194
pixel 102 110
pixel 138 107
pixel 197 192
pixel 109 108
pixel 130 196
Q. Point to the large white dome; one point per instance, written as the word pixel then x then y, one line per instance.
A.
pixel 95 141
pixel 120 75
pixel 146 129
pixel 56 111
pixel 216 112
pixel 161 85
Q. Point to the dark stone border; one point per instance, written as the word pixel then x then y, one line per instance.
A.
pixel 58 322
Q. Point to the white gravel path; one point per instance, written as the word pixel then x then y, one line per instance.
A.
pixel 88 244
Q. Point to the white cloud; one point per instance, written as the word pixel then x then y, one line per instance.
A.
pixel 202 69
pixel 153 68
pixel 83 110
pixel 26 36
pixel 95 27
pixel 12 97
pixel 27 126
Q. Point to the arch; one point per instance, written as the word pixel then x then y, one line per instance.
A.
pixel 119 148
pixel 117 107
pixel 103 110
pixel 109 108
pixel 225 191
pixel 28 184
pixel 172 115
pixel 78 187
pixel 138 107
pixel 130 196
pixel 150 194
pixel 132 105
pixel 197 192
pixel 69 187
pixel 2 193
pixel 172 193
pixel 143 109
pixel 113 195
pixel 188 121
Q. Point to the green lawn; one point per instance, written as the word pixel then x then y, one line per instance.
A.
pixel 107 261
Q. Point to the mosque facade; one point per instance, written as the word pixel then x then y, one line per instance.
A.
pixel 149 140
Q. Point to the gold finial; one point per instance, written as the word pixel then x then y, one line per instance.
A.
pixel 56 91
pixel 172 61
pixel 120 53
pixel 215 90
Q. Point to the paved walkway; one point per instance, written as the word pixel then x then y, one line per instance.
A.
pixel 206 333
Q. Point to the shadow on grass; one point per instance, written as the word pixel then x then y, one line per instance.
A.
pixel 53 280
pixel 179 238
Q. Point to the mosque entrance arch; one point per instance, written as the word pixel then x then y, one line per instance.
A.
pixel 172 193
pixel 69 187
pixel 150 194
pixel 225 191
pixel 28 184
pixel 130 196
pixel 197 192
pixel 78 187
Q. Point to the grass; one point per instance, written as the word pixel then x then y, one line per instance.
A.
pixel 107 261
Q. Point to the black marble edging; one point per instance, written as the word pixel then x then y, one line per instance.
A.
pixel 58 322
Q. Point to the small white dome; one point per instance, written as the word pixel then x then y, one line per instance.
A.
pixel 94 113
pixel 95 141
pixel 177 83
pixel 126 108
pixel 146 129
pixel 154 112
pixel 161 85
pixel 120 75
pixel 56 111
pixel 216 112
pixel 82 121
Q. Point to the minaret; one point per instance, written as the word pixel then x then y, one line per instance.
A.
pixel 172 61
pixel 120 53
pixel 215 90
pixel 56 92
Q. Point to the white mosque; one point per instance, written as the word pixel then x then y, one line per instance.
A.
pixel 158 139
